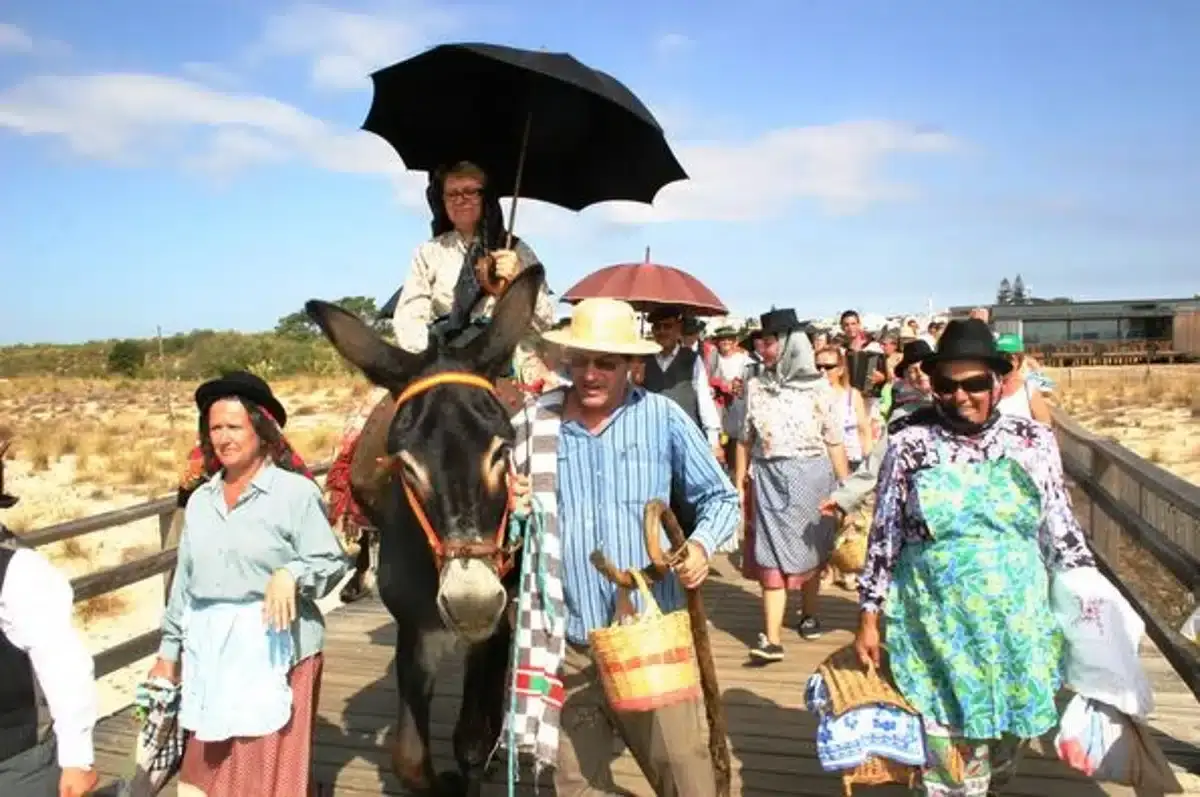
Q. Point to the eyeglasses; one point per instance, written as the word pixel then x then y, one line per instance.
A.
pixel 603 362
pixel 944 385
pixel 463 195
pixel 827 366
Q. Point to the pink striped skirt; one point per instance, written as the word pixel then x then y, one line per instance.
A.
pixel 279 765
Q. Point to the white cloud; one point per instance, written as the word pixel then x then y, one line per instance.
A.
pixel 143 119
pixel 140 119
pixel 344 47
pixel 135 119
pixel 672 44
pixel 14 39
pixel 836 165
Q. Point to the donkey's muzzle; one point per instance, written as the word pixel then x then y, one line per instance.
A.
pixel 471 599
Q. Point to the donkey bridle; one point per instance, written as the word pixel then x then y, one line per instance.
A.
pixel 501 555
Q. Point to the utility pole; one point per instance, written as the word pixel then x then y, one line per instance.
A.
pixel 162 371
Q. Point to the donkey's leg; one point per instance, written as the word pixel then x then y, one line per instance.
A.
pixel 418 654
pixel 359 585
pixel 481 714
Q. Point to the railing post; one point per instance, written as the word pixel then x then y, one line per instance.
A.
pixel 168 537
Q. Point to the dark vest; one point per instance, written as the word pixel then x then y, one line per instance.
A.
pixel 18 696
pixel 676 382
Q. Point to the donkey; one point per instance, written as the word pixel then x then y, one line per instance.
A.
pixel 431 473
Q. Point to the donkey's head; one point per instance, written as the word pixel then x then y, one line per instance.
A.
pixel 448 447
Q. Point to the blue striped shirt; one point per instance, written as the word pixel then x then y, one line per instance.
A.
pixel 604 483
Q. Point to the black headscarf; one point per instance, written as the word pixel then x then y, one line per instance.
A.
pixel 491 236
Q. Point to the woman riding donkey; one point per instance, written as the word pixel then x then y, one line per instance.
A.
pixel 452 286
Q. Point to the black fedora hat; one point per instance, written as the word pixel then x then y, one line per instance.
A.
pixel 915 351
pixel 968 339
pixel 6 501
pixel 779 322
pixel 241 384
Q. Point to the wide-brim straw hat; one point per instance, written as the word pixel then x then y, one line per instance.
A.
pixel 608 326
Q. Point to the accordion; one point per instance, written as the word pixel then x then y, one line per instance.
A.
pixel 861 365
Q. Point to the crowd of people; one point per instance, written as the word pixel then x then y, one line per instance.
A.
pixel 773 430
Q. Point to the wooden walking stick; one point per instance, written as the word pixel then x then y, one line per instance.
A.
pixel 658 516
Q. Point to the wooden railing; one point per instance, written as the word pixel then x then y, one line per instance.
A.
pixel 1144 527
pixel 111 579
pixel 1143 523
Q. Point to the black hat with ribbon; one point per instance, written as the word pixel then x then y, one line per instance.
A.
pixel 241 384
pixel 968 339
pixel 915 351
pixel 779 322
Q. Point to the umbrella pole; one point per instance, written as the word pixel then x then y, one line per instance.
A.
pixel 512 210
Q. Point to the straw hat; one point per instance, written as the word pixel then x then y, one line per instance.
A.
pixel 609 326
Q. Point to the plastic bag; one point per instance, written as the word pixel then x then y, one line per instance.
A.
pixel 1109 746
pixel 1103 633
pixel 1191 627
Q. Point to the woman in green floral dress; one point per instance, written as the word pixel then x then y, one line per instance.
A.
pixel 971 518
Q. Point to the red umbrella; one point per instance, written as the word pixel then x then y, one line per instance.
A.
pixel 646 286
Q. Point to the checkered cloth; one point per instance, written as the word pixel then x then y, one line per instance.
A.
pixel 531 727
pixel 160 740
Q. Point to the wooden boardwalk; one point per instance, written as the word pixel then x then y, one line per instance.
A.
pixel 772 736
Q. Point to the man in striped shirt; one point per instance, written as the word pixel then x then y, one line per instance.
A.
pixel 619 447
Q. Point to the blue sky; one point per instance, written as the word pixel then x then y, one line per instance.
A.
pixel 197 164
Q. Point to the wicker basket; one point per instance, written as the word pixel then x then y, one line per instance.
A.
pixel 876 771
pixel 850 553
pixel 851 687
pixel 646 661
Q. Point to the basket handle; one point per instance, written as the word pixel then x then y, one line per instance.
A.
pixel 650 605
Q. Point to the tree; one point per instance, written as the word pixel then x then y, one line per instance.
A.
pixel 126 358
pixel 1019 295
pixel 1004 294
pixel 299 326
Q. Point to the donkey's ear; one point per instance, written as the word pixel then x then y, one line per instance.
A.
pixel 491 352
pixel 382 363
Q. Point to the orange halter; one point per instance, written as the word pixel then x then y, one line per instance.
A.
pixel 443 551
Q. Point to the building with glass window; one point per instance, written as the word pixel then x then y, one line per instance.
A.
pixel 1168 323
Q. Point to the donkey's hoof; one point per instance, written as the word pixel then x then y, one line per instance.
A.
pixel 354 590
pixel 451 784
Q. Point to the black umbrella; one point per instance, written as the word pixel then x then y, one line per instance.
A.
pixel 542 125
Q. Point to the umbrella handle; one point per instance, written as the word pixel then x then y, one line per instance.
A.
pixel 512 209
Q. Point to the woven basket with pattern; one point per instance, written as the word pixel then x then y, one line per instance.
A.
pixel 646 661
pixel 850 687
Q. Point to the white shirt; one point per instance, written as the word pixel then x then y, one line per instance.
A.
pixel 710 419
pixel 428 292
pixel 36 610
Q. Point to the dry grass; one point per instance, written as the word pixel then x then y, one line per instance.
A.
pixel 99 607
pixel 1153 411
pixel 82 447
pixel 116 439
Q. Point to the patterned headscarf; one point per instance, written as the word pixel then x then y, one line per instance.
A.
pixel 796 368
pixel 202 463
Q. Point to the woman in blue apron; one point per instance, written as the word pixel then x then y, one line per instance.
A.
pixel 972 517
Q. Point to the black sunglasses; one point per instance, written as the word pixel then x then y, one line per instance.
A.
pixel 944 385
pixel 826 366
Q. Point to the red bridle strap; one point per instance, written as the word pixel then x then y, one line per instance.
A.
pixel 455 550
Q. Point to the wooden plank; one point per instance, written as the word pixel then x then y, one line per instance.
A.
pixel 772 736
pixel 111 579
